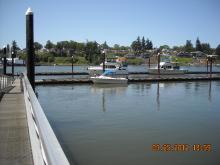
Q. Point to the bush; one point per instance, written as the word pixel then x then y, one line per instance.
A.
pixel 182 60
pixel 135 61
pixel 63 60
pixel 81 60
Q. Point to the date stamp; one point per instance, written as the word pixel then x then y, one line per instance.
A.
pixel 181 147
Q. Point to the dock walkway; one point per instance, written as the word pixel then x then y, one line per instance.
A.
pixel 15 146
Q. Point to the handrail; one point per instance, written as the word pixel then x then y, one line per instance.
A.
pixel 51 150
pixel 5 81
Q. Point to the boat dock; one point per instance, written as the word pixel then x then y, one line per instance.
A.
pixel 26 135
pixel 15 147
pixel 86 73
pixel 137 78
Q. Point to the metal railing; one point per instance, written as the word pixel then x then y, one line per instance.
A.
pixel 45 146
pixel 5 81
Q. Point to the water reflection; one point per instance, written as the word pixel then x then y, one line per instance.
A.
pixel 108 89
pixel 103 102
pixel 210 91
pixel 158 96
pixel 128 127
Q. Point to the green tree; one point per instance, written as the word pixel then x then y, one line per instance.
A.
pixel 105 45
pixel 116 46
pixel 198 45
pixel 93 53
pixel 164 47
pixel 188 47
pixel 143 45
pixel 149 44
pixel 15 47
pixel 49 45
pixel 206 48
pixel 37 46
pixel 139 44
pixel 178 48
pixel 136 46
pixel 217 50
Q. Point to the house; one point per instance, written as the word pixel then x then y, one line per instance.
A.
pixel 184 54
pixel 197 54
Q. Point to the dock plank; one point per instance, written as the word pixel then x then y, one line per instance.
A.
pixel 15 147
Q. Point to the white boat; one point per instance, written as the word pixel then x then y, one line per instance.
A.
pixel 167 68
pixel 118 68
pixel 107 78
pixel 17 61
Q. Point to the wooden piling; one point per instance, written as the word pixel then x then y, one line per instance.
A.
pixel 158 64
pixel 30 47
pixel 103 66
pixel 12 62
pixel 4 61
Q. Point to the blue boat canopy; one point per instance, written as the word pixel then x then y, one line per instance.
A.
pixel 109 72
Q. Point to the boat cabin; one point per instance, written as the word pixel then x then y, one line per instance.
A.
pixel 169 65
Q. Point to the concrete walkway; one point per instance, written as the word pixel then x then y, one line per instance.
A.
pixel 15 147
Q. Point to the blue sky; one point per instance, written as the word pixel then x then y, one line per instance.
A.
pixel 169 22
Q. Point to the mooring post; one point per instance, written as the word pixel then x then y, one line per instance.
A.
pixel 30 46
pixel 211 67
pixel 4 61
pixel 103 66
pixel 72 66
pixel 158 64
pixel 149 62
pixel 12 62
pixel 207 65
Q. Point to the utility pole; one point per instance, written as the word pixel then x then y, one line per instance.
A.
pixel 30 46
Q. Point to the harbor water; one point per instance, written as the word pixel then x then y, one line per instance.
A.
pixel 120 125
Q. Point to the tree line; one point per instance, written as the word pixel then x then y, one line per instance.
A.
pixel 141 46
pixel 90 51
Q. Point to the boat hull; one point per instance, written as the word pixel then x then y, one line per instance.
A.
pixel 97 80
pixel 98 71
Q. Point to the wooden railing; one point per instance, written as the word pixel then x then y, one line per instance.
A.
pixel 5 81
pixel 45 146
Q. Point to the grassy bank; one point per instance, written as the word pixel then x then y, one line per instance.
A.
pixel 135 61
pixel 182 60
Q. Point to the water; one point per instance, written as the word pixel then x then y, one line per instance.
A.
pixel 83 68
pixel 131 68
pixel 106 125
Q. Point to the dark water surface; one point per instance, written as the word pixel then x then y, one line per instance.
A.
pixel 117 125
pixel 131 68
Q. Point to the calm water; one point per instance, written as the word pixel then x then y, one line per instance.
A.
pixel 117 125
pixel 131 68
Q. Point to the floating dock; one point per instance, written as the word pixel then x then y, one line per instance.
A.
pixel 137 78
pixel 86 73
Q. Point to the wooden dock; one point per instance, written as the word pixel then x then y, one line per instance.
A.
pixel 15 147
pixel 136 78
